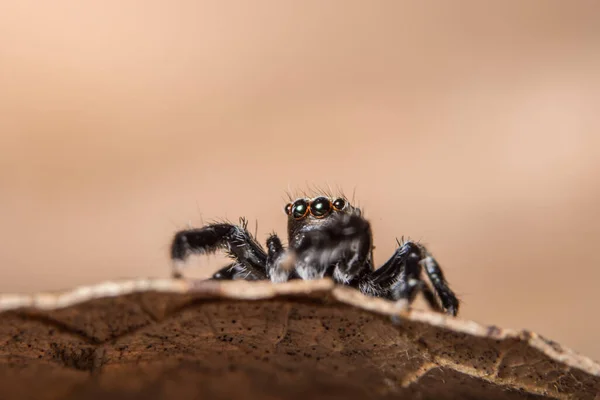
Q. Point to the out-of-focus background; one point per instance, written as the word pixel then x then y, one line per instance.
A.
pixel 472 127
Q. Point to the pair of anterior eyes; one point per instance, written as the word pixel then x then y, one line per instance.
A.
pixel 318 208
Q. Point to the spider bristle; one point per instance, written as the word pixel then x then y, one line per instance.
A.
pixel 329 191
pixel 313 190
pixel 220 220
pixel 293 194
pixel 340 192
pixel 287 195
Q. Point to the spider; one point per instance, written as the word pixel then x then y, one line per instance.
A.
pixel 328 237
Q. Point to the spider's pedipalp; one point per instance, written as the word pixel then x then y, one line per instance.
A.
pixel 344 244
pixel 277 269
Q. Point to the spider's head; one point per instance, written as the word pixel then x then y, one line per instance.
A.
pixel 305 214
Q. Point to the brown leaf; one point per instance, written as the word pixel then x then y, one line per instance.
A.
pixel 154 339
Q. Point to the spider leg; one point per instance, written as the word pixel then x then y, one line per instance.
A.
pixel 346 243
pixel 234 271
pixel 392 269
pixel 279 263
pixel 430 298
pixel 400 278
pixel 409 282
pixel 235 240
pixel 436 276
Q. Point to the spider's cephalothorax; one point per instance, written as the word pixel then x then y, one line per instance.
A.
pixel 328 237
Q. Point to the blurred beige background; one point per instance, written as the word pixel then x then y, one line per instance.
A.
pixel 473 128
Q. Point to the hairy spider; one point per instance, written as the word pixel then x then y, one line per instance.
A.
pixel 328 237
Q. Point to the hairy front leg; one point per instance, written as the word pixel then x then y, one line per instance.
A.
pixel 233 239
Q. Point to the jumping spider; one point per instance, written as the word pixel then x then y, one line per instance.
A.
pixel 327 237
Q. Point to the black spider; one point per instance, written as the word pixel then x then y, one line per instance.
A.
pixel 327 238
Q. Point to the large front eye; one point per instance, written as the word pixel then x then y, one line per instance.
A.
pixel 320 207
pixel 299 209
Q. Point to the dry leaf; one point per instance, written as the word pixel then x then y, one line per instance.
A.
pixel 158 339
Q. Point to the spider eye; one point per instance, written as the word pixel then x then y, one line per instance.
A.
pixel 339 204
pixel 288 208
pixel 320 207
pixel 299 209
